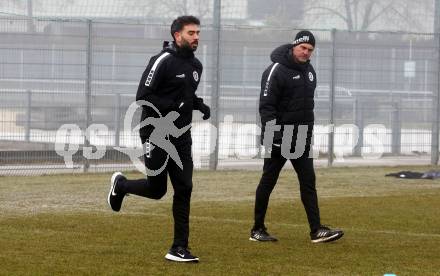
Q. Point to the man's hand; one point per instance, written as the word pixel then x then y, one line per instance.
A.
pixel 206 111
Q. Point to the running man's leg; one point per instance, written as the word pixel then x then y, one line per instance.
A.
pixel 154 187
pixel 182 184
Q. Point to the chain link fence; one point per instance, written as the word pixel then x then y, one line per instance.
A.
pixel 66 87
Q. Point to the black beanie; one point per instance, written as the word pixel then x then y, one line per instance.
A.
pixel 304 37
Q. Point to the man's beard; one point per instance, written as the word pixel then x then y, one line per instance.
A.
pixel 297 60
pixel 186 46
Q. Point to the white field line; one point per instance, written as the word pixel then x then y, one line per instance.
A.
pixel 250 222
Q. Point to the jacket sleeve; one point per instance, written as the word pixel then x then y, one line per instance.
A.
pixel 153 76
pixel 197 102
pixel 269 95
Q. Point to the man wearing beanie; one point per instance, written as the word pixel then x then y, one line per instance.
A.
pixel 287 119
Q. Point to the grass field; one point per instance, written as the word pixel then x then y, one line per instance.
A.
pixel 61 225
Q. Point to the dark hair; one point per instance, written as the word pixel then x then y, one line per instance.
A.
pixel 181 22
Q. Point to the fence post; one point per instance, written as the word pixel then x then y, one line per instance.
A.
pixel 213 158
pixel 117 118
pixel 244 71
pixel 30 15
pixel 436 112
pixel 331 134
pixel 436 98
pixel 28 115
pixel 359 122
pixel 88 92
pixel 395 129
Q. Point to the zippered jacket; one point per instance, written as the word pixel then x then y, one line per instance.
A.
pixel 169 82
pixel 287 93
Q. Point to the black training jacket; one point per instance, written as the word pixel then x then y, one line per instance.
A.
pixel 171 78
pixel 287 91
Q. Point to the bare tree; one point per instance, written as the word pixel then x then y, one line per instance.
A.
pixel 364 14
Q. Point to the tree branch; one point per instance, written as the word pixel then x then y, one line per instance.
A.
pixel 349 19
pixel 366 22
pixel 383 10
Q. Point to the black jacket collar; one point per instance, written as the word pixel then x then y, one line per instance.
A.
pixel 175 50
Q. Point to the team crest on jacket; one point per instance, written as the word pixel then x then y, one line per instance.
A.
pixel 196 76
pixel 311 76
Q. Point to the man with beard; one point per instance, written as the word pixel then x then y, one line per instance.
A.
pixel 286 111
pixel 168 83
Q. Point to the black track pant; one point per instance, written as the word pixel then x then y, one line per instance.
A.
pixel 155 187
pixel 306 175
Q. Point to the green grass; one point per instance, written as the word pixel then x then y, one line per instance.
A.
pixel 60 225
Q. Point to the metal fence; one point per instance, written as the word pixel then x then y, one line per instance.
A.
pixel 65 87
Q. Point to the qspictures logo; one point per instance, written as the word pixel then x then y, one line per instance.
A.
pixel 163 127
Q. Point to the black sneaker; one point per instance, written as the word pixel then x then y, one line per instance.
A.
pixel 181 254
pixel 325 234
pixel 261 235
pixel 114 199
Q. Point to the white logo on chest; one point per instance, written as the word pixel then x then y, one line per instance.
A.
pixel 196 76
pixel 311 77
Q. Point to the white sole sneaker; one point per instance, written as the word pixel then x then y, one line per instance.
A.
pixel 334 237
pixel 171 257
pixel 112 186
